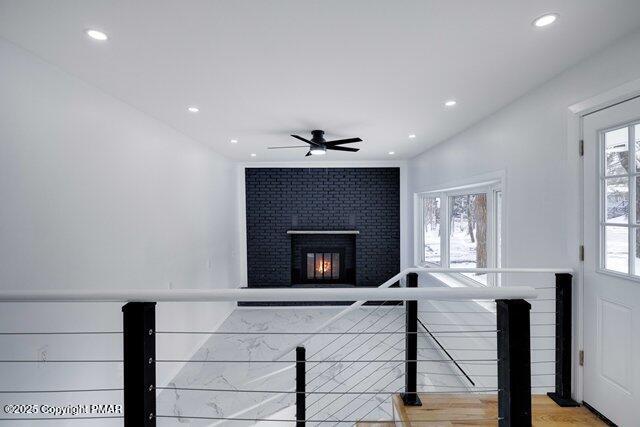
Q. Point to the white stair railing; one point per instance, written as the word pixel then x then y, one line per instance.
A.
pixel 327 392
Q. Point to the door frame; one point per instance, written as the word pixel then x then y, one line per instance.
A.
pixel 575 238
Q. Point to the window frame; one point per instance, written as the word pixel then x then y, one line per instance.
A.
pixel 491 189
pixel 631 225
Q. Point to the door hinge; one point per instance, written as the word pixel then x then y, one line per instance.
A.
pixel 581 357
pixel 581 252
pixel 581 148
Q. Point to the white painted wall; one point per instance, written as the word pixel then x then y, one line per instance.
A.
pixel 528 141
pixel 95 194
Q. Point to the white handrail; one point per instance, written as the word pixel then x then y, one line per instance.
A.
pixel 311 294
pixel 381 293
pixel 484 270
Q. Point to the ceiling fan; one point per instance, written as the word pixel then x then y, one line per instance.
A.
pixel 319 146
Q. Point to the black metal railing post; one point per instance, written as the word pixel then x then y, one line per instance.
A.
pixel 301 396
pixel 139 331
pixel 410 396
pixel 514 363
pixel 562 395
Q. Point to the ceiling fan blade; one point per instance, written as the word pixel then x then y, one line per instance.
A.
pixel 308 154
pixel 343 141
pixel 303 139
pixel 289 146
pixel 343 149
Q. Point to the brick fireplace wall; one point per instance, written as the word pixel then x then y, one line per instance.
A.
pixel 281 199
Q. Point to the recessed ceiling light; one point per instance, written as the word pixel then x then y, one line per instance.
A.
pixel 412 136
pixel 544 20
pixel 193 109
pixel 233 141
pixel 391 153
pixel 450 103
pixel 253 154
pixel 97 35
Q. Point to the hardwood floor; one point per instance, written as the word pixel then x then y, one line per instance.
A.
pixel 438 410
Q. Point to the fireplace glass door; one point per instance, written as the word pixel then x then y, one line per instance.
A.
pixel 323 266
pixel 323 260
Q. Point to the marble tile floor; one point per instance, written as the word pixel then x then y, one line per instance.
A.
pixel 245 372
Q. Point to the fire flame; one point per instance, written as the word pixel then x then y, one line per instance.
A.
pixel 324 266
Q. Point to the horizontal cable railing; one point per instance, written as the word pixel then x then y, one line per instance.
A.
pixel 354 361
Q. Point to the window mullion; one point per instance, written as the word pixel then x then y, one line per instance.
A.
pixel 632 250
pixel 445 224
pixel 421 242
pixel 601 167
pixel 491 230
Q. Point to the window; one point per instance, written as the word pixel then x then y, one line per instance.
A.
pixel 620 200
pixel 461 229
pixel 431 209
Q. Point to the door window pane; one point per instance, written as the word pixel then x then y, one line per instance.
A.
pixel 616 249
pixel 637 138
pixel 616 152
pixel 468 233
pixel 637 259
pixel 636 204
pixel 619 243
pixel 617 200
pixel 431 223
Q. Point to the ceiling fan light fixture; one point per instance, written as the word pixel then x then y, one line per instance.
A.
pixel 318 151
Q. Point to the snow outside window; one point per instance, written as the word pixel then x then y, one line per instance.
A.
pixel 431 229
pixel 620 200
pixel 462 229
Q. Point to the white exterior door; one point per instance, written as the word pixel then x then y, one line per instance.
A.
pixel 612 262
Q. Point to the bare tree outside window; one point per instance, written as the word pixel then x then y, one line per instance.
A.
pixel 468 233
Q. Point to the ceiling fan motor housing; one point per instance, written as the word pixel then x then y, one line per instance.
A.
pixel 317 136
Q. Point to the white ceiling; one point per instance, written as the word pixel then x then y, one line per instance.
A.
pixel 260 70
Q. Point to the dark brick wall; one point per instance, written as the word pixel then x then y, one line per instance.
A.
pixel 281 199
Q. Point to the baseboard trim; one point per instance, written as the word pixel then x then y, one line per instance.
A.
pixel 597 413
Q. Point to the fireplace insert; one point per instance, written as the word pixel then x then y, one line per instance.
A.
pixel 323 265
pixel 322 259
